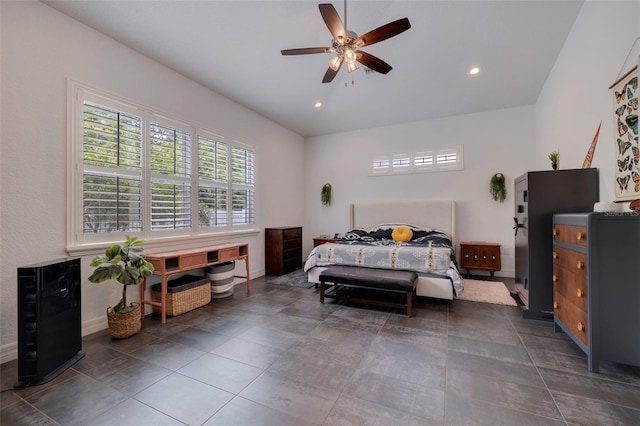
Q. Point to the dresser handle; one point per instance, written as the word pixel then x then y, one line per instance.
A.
pixel 556 305
pixel 580 264
pixel 556 255
pixel 581 326
pixel 579 292
pixel 580 236
pixel 555 278
pixel 556 232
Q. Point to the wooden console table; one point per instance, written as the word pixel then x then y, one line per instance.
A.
pixel 167 264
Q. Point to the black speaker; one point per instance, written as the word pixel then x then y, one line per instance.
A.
pixel 49 320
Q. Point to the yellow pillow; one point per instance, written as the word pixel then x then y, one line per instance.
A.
pixel 402 234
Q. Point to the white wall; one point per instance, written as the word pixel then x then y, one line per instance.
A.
pixel 576 95
pixel 41 48
pixel 497 141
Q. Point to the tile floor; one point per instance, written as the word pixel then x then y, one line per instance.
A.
pixel 279 357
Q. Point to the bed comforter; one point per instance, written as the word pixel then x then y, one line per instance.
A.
pixel 429 253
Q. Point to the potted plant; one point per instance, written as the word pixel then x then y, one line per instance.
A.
pixel 497 187
pixel 325 194
pixel 554 157
pixel 123 263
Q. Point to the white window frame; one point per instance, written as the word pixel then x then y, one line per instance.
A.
pixel 79 243
pixel 417 162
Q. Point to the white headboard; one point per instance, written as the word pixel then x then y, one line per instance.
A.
pixel 436 214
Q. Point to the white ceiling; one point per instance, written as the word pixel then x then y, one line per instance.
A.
pixel 233 47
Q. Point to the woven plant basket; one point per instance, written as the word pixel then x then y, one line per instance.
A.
pixel 122 326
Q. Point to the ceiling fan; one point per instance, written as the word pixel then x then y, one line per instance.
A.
pixel 345 44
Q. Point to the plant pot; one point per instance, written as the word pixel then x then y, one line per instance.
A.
pixel 126 325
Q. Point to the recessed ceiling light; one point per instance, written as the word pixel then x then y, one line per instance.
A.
pixel 318 104
pixel 474 71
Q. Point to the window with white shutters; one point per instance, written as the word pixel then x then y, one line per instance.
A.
pixel 170 166
pixel 213 181
pixel 134 171
pixel 112 172
pixel 242 185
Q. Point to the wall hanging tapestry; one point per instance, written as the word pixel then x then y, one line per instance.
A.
pixel 625 117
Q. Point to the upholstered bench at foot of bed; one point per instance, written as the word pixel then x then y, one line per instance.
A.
pixel 369 286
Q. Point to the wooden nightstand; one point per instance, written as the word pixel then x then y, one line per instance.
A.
pixel 321 240
pixel 481 256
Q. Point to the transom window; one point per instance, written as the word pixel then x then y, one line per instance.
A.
pixel 443 159
pixel 135 171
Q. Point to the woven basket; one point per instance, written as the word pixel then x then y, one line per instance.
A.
pixel 126 325
pixel 184 294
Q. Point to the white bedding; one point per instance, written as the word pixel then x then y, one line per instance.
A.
pixel 423 213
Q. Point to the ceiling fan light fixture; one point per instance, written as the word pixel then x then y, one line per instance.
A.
pixel 346 44
pixel 349 56
pixel 335 62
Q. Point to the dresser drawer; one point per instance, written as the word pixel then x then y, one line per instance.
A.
pixel 570 275
pixel 292 233
pixel 291 265
pixel 292 254
pixel 292 244
pixel 570 234
pixel 574 318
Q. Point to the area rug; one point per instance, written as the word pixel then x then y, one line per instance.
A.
pixel 297 278
pixel 488 292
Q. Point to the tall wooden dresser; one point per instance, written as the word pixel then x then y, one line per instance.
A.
pixel 596 284
pixel 282 249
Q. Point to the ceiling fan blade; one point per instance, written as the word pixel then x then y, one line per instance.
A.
pixel 306 50
pixel 333 21
pixel 384 32
pixel 329 75
pixel 373 62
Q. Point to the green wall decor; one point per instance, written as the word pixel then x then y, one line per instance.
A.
pixel 497 187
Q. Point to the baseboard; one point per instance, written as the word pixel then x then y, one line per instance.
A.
pixel 94 325
pixel 9 352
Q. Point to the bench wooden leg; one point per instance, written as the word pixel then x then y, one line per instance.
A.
pixel 321 291
pixel 409 303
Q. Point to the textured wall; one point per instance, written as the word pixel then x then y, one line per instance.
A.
pixel 41 49
pixel 495 141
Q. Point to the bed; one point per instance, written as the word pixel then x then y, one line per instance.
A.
pixel 369 220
